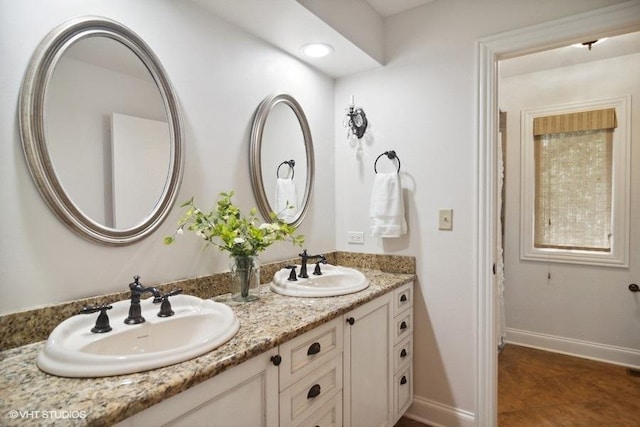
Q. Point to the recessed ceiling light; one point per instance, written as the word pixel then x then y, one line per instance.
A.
pixel 316 50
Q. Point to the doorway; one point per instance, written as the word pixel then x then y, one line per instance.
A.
pixel 549 300
pixel 581 309
pixel 614 20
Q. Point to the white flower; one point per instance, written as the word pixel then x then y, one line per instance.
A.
pixel 270 227
pixel 180 231
pixel 238 241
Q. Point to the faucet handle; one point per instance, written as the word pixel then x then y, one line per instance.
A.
pixel 102 323
pixel 165 307
pixel 292 275
pixel 303 254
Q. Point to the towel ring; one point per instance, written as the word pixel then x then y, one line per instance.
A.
pixel 390 155
pixel 291 163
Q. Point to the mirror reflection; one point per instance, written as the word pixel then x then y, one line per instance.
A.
pixel 107 132
pixel 281 159
pixel 282 142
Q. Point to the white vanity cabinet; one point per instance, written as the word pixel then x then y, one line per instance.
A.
pixel 368 390
pixel 402 350
pixel 311 377
pixel 353 371
pixel 378 360
pixel 245 395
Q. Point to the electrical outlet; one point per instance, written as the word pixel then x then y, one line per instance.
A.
pixel 355 237
pixel 445 219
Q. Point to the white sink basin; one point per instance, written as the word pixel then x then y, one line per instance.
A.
pixel 198 326
pixel 334 281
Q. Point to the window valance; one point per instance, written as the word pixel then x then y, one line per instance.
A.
pixel 575 122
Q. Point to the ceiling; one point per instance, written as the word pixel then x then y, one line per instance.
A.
pixel 354 29
pixel 391 7
pixel 625 44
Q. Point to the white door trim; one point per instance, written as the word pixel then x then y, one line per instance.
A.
pixel 613 20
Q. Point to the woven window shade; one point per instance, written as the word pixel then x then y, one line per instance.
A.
pixel 575 122
pixel 573 190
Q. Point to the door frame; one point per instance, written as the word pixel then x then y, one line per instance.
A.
pixel 609 21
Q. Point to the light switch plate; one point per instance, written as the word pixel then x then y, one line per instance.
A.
pixel 445 219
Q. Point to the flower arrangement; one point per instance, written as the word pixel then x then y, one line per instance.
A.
pixel 226 228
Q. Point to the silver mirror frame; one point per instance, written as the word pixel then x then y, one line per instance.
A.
pixel 32 129
pixel 255 150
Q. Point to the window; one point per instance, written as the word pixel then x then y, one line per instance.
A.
pixel 575 174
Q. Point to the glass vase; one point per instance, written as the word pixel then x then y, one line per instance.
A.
pixel 245 278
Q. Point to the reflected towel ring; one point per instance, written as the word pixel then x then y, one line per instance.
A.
pixel 390 155
pixel 291 163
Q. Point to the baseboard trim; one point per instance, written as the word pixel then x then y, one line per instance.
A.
pixel 438 414
pixel 589 350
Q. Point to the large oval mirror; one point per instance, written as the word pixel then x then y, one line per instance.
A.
pixel 281 159
pixel 101 131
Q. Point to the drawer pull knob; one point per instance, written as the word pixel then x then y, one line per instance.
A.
pixel 403 325
pixel 403 353
pixel 403 298
pixel 313 349
pixel 403 380
pixel 276 360
pixel 351 320
pixel 314 391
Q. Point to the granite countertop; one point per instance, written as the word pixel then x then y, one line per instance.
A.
pixel 29 396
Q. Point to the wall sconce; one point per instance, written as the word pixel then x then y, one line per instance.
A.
pixel 355 120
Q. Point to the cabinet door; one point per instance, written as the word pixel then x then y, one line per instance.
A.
pixel 368 398
pixel 245 395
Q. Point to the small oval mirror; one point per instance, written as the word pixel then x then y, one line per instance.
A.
pixel 281 156
pixel 98 114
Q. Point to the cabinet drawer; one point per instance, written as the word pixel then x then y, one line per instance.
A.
pixel 403 391
pixel 303 354
pixel 403 326
pixel 402 298
pixel 329 414
pixel 402 353
pixel 310 393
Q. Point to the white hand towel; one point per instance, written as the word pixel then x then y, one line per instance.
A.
pixel 286 195
pixel 386 212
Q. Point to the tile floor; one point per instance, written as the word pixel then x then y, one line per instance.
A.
pixel 540 388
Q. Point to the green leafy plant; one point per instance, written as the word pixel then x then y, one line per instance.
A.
pixel 226 228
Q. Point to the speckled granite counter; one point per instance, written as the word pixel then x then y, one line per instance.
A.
pixel 264 324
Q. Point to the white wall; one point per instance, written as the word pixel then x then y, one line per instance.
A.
pixel 220 75
pixel 585 303
pixel 422 104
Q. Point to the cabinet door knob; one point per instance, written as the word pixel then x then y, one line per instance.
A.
pixel 313 349
pixel 403 298
pixel 351 320
pixel 403 353
pixel 403 325
pixel 314 391
pixel 276 360
pixel 403 380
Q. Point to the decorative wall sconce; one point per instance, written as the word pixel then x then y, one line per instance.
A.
pixel 355 120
